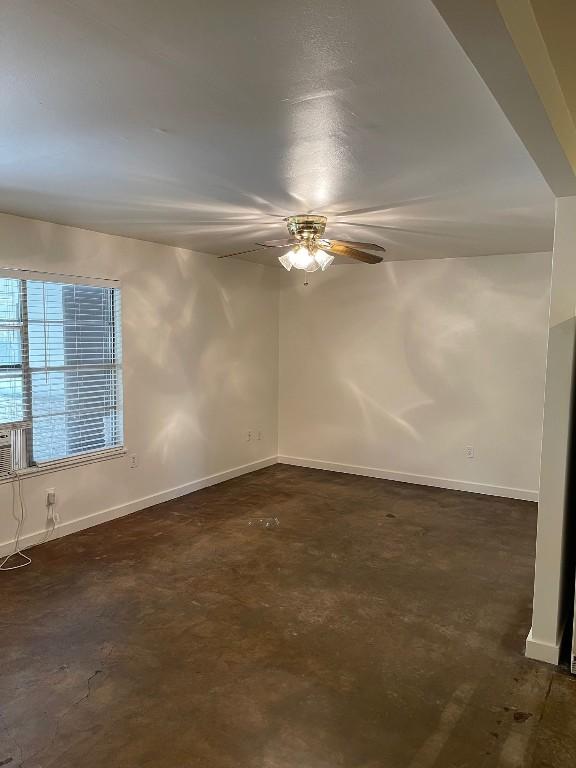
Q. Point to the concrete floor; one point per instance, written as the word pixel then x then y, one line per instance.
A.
pixel 381 625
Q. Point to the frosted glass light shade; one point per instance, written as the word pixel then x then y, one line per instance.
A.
pixel 323 259
pixel 301 257
pixel 285 261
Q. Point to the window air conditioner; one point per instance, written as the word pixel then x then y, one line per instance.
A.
pixel 13 448
pixel 5 452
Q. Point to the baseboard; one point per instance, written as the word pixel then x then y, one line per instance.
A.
pixel 540 651
pixel 122 510
pixel 404 477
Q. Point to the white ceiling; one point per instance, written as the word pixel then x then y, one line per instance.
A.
pixel 202 123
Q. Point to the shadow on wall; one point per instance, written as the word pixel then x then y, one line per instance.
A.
pixel 199 348
pixel 475 326
pixel 438 353
pixel 194 330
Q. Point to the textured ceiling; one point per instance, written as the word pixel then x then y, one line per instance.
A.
pixel 202 124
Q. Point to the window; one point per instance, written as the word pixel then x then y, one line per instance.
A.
pixel 60 364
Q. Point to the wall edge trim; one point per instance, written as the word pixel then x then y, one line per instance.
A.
pixel 121 510
pixel 404 477
pixel 542 651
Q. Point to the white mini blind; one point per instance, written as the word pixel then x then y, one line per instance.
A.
pixel 61 365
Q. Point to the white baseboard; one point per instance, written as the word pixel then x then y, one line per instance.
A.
pixel 112 513
pixel 404 477
pixel 541 651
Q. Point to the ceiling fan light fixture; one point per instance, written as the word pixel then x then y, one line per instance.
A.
pixel 309 250
pixel 306 257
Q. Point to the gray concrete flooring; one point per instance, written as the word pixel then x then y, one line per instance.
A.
pixel 379 625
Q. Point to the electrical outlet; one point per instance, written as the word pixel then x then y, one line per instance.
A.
pixel 53 516
pixel 133 461
pixel 249 436
pixel 469 451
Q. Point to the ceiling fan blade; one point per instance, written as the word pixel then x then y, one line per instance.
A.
pixel 356 244
pixel 239 253
pixel 278 243
pixel 338 249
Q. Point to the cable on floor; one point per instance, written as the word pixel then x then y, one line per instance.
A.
pixel 22 516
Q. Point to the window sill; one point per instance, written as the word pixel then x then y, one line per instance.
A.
pixel 57 466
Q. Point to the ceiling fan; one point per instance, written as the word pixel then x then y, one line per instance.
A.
pixel 307 249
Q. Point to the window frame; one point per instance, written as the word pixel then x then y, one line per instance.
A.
pixel 27 423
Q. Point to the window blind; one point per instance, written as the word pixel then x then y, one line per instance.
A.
pixel 61 365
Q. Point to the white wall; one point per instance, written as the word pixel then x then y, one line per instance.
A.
pixel 549 614
pixel 396 368
pixel 200 368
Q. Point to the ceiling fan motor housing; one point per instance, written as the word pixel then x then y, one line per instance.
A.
pixel 306 227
